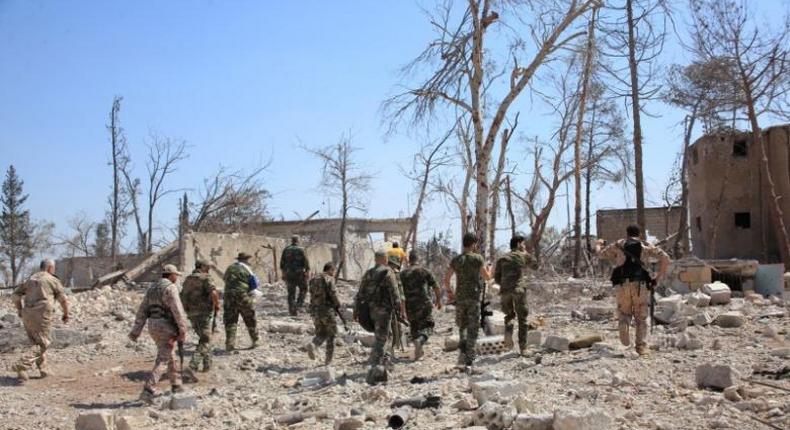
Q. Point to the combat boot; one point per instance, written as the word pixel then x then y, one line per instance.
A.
pixel 149 394
pixel 418 352
pixel 206 364
pixel 44 373
pixel 22 375
pixel 310 350
pixel 190 375
pixel 330 353
pixel 642 350
pixel 509 338
pixel 177 389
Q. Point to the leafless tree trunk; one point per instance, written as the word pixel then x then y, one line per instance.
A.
pixel 636 111
pixel 496 185
pixel 119 160
pixel 164 154
pixel 343 178
pixel 509 201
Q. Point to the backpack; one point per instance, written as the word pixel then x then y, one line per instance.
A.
pixel 293 259
pixel 367 295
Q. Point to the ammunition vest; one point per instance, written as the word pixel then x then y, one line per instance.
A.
pixel 632 270
pixel 156 305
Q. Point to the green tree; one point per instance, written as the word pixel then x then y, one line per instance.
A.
pixel 16 230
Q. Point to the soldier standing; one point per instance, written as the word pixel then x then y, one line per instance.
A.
pixel 295 268
pixel 396 256
pixel 418 282
pixel 167 324
pixel 201 302
pixel 379 291
pixel 633 282
pixel 323 307
pixel 240 283
pixel 38 295
pixel 471 272
pixel 509 274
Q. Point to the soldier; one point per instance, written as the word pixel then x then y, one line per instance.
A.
pixel 471 272
pixel 417 281
pixel 323 307
pixel 38 295
pixel 396 256
pixel 633 282
pixel 513 294
pixel 167 324
pixel 379 291
pixel 240 283
pixel 295 268
pixel 201 302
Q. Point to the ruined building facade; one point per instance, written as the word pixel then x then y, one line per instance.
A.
pixel 731 212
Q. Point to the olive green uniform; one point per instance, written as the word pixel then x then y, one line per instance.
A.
pixel 384 302
pixel 196 298
pixel 417 284
pixel 295 265
pixel 323 306
pixel 513 294
pixel 238 301
pixel 469 287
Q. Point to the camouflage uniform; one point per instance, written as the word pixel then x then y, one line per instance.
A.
pixel 196 298
pixel 469 286
pixel 417 283
pixel 633 298
pixel 294 266
pixel 38 295
pixel 238 301
pixel 162 309
pixel 383 305
pixel 513 294
pixel 323 305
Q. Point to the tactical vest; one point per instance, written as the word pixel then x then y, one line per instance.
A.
pixel 293 259
pixel 194 295
pixel 157 309
pixel 319 293
pixel 371 293
pixel 632 270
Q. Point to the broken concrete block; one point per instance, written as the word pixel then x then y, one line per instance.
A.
pixel 588 419
pixel 717 376
pixel 493 416
pixel 495 324
pixel 688 341
pixel 95 420
pixel 668 307
pixel 251 415
pixel 584 342
pixel 451 343
pixel 491 345
pixel 720 293
pixel 599 313
pixel 781 352
pixel 349 423
pixel 698 299
pixel 465 404
pixel 287 327
pixel 320 376
pixel 730 319
pixel 131 422
pixel 557 343
pixel 496 391
pixel 534 337
pixel 703 318
pixel 731 394
pixel 185 400
pixel 533 422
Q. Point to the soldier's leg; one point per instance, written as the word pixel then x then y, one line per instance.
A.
pixel 623 297
pixel 230 317
pixel 509 309
pixel 291 286
pixel 460 322
pixel 247 310
pixel 164 362
pixel 522 311
pixel 330 350
pixel 473 329
pixel 302 284
pixel 382 319
pixel 640 304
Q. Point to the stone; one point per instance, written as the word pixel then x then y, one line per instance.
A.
pixel 731 394
pixel 716 376
pixel 524 405
pixel 288 327
pixel 588 419
pixel 10 319
pixel 349 423
pixel 599 313
pixel 465 404
pixel 719 293
pixel 781 352
pixel 732 319
pixel 131 422
pixel 367 339
pixel 451 343
pixel 688 341
pixel 493 416
pixel 668 307
pixel 533 422
pixel 95 420
pixel 185 400
pixel 584 342
pixel 495 324
pixel 495 390
pixel 251 415
pixel 703 318
pixel 698 299
pixel 557 343
pixel 534 337
pixel 325 374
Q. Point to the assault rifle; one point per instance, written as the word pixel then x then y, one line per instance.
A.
pixel 181 356
pixel 214 322
pixel 484 304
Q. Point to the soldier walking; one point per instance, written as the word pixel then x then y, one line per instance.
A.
pixel 378 297
pixel 632 282
pixel 323 307
pixel 35 304
pixel 418 283
pixel 509 275
pixel 201 302
pixel 471 272
pixel 240 282
pixel 167 325
pixel 295 268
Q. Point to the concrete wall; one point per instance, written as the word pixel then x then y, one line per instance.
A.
pixel 727 184
pixel 82 271
pixel 610 224
pixel 221 250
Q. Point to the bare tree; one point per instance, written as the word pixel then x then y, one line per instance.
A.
pixel 133 191
pixel 164 153
pixel 447 186
pixel 634 35
pixel 343 177
pixel 758 63
pixel 119 162
pixel 78 240
pixel 464 73
pixel 230 199
pixel 496 185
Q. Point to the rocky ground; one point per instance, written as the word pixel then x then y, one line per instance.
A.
pixel 98 371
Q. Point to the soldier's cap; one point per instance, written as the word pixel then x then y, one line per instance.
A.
pixel 170 269
pixel 199 264
pixel 295 238
pixel 380 254
pixel 243 256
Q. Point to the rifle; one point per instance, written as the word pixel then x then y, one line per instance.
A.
pixel 181 357
pixel 484 312
pixel 343 320
pixel 214 322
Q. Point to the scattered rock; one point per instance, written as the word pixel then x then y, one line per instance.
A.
pixel 732 319
pixel 584 342
pixel 698 299
pixel 717 376
pixel 498 391
pixel 95 420
pixel 588 419
pixel 703 318
pixel 719 293
pixel 349 423
pixel 185 400
pixel 533 422
pixel 557 343
pixel 465 404
pixel 493 416
pixel 251 415
pixel 731 394
pixel 534 337
pixel 781 352
pixel 599 313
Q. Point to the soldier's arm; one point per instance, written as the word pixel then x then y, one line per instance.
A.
pixel 446 283
pixel 60 296
pixel 333 294
pixel 19 294
pixel 306 262
pixel 498 272
pixel 394 295
pixel 140 319
pixel 663 260
pixel 485 269
pixel 213 293
pixel 437 292
pixel 530 261
pixel 173 302
pixel 282 260
pixel 609 252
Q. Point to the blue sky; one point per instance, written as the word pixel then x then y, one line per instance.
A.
pixel 242 82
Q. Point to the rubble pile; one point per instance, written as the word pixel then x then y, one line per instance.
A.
pixel 716 362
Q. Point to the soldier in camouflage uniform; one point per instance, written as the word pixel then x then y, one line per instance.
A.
pixel 418 282
pixel 167 324
pixel 323 307
pixel 240 282
pixel 295 268
pixel 509 274
pixel 383 305
pixel 35 303
pixel 471 272
pixel 201 301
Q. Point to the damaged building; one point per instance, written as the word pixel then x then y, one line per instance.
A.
pixel 660 222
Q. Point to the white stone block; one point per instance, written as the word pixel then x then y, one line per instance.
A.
pixel 95 420
pixel 185 400
pixel 495 324
pixel 588 419
pixel 557 343
pixel 533 422
pixel 698 299
pixel 730 320
pixel 497 391
pixel 718 376
pixel 534 337
pixel 720 293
